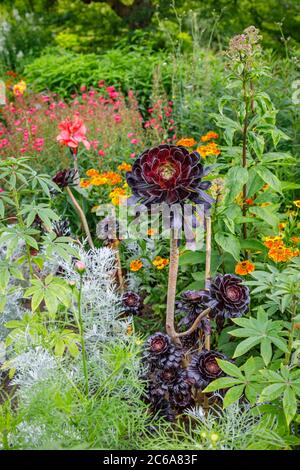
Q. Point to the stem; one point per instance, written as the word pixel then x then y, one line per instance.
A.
pixel 207 269
pixel 195 324
pixel 22 224
pixel 80 327
pixel 291 335
pixel 244 154
pixel 81 216
pixel 115 246
pixel 173 271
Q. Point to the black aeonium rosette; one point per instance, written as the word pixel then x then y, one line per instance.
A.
pixel 231 297
pixel 159 352
pixel 204 368
pixel 65 178
pixel 169 174
pixel 131 302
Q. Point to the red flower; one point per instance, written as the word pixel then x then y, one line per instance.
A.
pixel 73 131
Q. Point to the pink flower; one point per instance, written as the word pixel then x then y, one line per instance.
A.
pixel 130 134
pixel 117 118
pixel 101 153
pixel 132 155
pixel 1 190
pixel 110 89
pixel 83 88
pixel 80 267
pixel 101 83
pixel 72 133
pixel 134 141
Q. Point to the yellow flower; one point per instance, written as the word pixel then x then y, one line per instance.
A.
pixel 117 196
pixel 160 263
pixel 273 241
pixel 244 267
pixel 19 88
pixel 214 437
pixel 84 183
pixel 209 149
pixel 99 180
pixel 281 226
pixel 265 204
pixel 297 203
pixel 282 253
pixel 125 167
pixel 92 172
pixel 136 265
pixel 187 142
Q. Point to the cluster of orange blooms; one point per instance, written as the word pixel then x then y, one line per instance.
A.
pixel 278 251
pixel 117 195
pixel 136 265
pixel 160 263
pixel 205 150
pixel 99 179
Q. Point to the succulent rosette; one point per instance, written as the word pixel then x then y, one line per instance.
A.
pixel 169 174
pixel 131 302
pixel 204 368
pixel 159 352
pixel 68 177
pixel 230 298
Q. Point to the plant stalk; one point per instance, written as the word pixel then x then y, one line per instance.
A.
pixel 81 216
pixel 81 333
pixel 172 282
pixel 207 269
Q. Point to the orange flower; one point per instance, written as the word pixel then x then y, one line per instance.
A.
pixel 244 267
pixel 281 226
pixel 150 232
pixel 209 149
pixel 136 265
pixel 187 142
pixel 160 263
pixel 282 253
pixel 117 196
pixel 125 167
pixel 85 183
pixel 99 180
pixel 297 203
pixel 112 178
pixel 20 88
pixel 209 136
pixel 295 239
pixel 249 201
pixel 271 242
pixel 92 172
pixel 265 187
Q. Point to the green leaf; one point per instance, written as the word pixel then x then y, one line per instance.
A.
pixel 266 215
pixel 245 346
pixel 269 177
pixel 230 369
pixel 266 350
pixel 236 177
pixel 233 395
pixel 229 243
pixel 251 244
pixel 289 404
pixel 219 384
pixel 271 392
pixel 37 298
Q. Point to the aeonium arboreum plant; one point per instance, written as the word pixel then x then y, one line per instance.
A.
pixel 170 174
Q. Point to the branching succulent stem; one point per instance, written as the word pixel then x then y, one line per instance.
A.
pixel 81 216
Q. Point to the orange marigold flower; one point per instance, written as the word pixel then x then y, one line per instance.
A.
pixel 150 232
pixel 99 180
pixel 282 253
pixel 244 267
pixel 125 167
pixel 295 239
pixel 136 265
pixel 273 241
pixel 92 172
pixel 209 136
pixel 117 196
pixel 160 263
pixel 187 142
pixel 297 203
pixel 209 149
pixel 85 183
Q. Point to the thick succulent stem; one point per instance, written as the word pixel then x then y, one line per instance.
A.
pixel 115 246
pixel 195 324
pixel 208 267
pixel 81 216
pixel 173 272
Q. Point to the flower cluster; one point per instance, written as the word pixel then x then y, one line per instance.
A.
pixel 207 150
pixel 19 88
pixel 278 251
pixel 160 263
pixel 96 178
